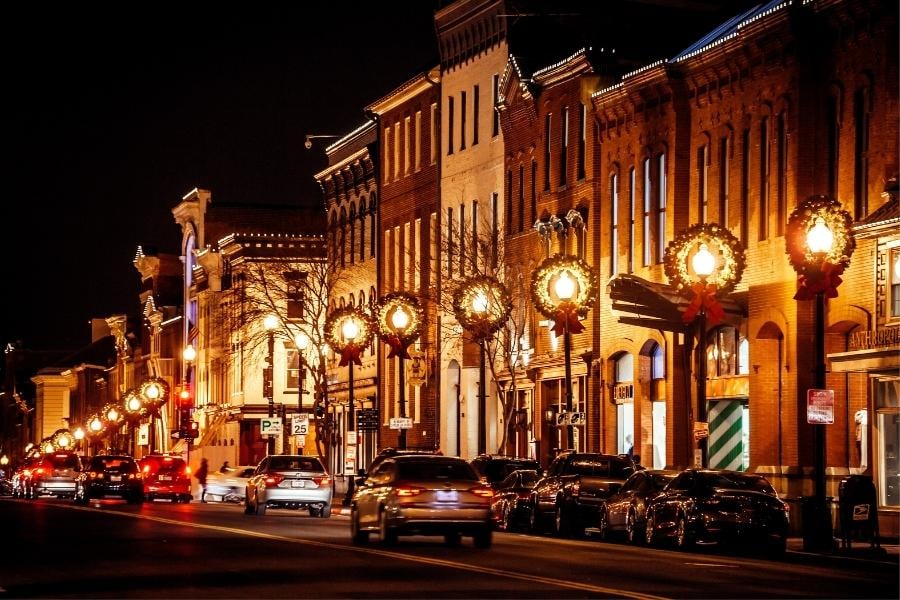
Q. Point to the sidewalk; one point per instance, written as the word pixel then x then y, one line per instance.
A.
pixel 887 555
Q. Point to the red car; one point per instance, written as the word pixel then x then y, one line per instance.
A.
pixel 166 477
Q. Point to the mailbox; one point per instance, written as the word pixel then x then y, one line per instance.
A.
pixel 858 507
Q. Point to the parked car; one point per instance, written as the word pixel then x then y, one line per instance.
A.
pixel 386 453
pixel 626 510
pixel 166 477
pixel 423 495
pixel 110 475
pixel 570 494
pixel 289 481
pixel 20 476
pixel 495 468
pixel 53 474
pixel 229 485
pixel 511 506
pixel 714 506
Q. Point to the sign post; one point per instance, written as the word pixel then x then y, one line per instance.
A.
pixel 820 407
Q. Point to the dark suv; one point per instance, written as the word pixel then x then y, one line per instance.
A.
pixel 54 475
pixel 494 468
pixel 110 475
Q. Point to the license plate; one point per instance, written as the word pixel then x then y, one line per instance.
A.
pixel 115 478
pixel 165 478
pixel 447 496
pixel 298 484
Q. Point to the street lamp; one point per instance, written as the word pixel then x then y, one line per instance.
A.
pixel 349 330
pixel 78 434
pixel 482 306
pixel 563 288
pixel 270 323
pixel 819 245
pixel 703 261
pixel 399 317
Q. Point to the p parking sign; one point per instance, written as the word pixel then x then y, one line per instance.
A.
pixel 270 426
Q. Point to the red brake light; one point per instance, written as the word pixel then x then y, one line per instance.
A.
pixel 273 479
pixel 187 471
pixel 322 480
pixel 38 471
pixel 147 469
pixel 484 491
pixel 408 490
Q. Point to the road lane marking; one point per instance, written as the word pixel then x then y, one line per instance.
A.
pixel 437 562
pixel 701 564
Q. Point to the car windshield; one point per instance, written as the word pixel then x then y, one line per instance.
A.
pixel 112 463
pixel 738 481
pixel 436 469
pixel 529 478
pixel 496 470
pixel 600 467
pixel 63 461
pixel 659 480
pixel 295 463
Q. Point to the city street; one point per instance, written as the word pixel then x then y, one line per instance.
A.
pixel 55 548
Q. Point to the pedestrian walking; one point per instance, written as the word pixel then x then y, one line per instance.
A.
pixel 202 472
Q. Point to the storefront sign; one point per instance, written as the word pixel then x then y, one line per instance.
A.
pixel 820 407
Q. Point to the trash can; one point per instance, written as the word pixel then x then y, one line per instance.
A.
pixel 858 510
pixel 818 532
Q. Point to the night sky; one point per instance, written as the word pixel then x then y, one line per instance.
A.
pixel 112 115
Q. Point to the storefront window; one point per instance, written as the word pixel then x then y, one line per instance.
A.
pixel 727 353
pixel 895 282
pixel 624 403
pixel 887 401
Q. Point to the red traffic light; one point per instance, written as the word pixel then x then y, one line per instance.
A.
pixel 186 396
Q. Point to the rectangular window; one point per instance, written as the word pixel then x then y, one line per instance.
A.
pixel 292 373
pixel 475 236
pixel 582 141
pixel 782 174
pixel 450 242
pixel 745 187
pixel 631 225
pixel 894 268
pixel 434 133
pixel 724 169
pixel 661 209
pixel 462 239
pixel 547 148
pixel 614 238
pixel 462 120
pixel 396 150
pixel 397 275
pixel 521 198
pixel 407 145
pixel 363 219
pixel 648 243
pixel 702 180
pixel 475 96
pixel 564 146
pixel 295 282
pixel 372 232
pixel 434 235
pixel 407 268
pixel 832 126
pixel 450 117
pixel 495 229
pixel 419 251
pixel 763 232
pixel 387 154
pixel 418 141
pixel 861 155
pixel 509 206
pixel 533 193
pixel 389 263
pixel 495 96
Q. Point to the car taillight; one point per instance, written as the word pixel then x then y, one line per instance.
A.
pixel 322 480
pixel 147 470
pixel 408 490
pixel 484 491
pixel 273 480
pixel 37 472
pixel 187 471
pixel 95 475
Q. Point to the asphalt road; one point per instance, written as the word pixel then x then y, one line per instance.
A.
pixel 54 548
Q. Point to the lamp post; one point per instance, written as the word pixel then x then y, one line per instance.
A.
pixel 563 288
pixel 270 323
pixel 79 434
pixel 399 318
pixel 482 306
pixel 152 395
pixel 702 262
pixel 186 397
pixel 349 330
pixel 819 245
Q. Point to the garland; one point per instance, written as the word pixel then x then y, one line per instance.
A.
pixel 819 273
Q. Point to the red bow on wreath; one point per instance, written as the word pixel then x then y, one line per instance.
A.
pixel 705 297
pixel 398 348
pixel 827 279
pixel 567 316
pixel 350 353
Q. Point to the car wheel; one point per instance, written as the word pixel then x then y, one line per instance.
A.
pixel 452 539
pixel 483 538
pixel 649 533
pixel 560 520
pixel 534 518
pixel 325 511
pixel 314 512
pixel 504 517
pixel 388 535
pixel 777 547
pixel 248 510
pixel 629 526
pixel 356 533
pixel 603 525
pixel 260 507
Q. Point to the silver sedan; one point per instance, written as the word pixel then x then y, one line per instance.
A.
pixel 289 481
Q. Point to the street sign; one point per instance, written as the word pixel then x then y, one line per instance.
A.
pixel 401 423
pixel 300 425
pixel 820 407
pixel 565 419
pixel 270 426
pixel 701 430
pixel 367 419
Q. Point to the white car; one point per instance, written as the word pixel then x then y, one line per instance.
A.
pixel 230 485
pixel 289 481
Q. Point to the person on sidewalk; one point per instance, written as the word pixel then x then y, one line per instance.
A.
pixel 200 474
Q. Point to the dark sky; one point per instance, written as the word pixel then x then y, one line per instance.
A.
pixel 112 113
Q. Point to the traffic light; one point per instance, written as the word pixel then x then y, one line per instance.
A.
pixel 184 417
pixel 193 430
pixel 186 396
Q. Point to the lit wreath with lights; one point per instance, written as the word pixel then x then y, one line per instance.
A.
pixel 62 439
pixel 334 325
pixel 819 272
pixel 564 312
pixel 91 420
pixel 384 312
pixel 729 259
pixel 112 424
pixel 154 392
pixel 133 405
pixel 498 305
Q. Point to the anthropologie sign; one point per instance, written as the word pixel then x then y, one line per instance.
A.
pixel 820 407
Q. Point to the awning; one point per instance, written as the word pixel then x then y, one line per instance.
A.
pixel 644 303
